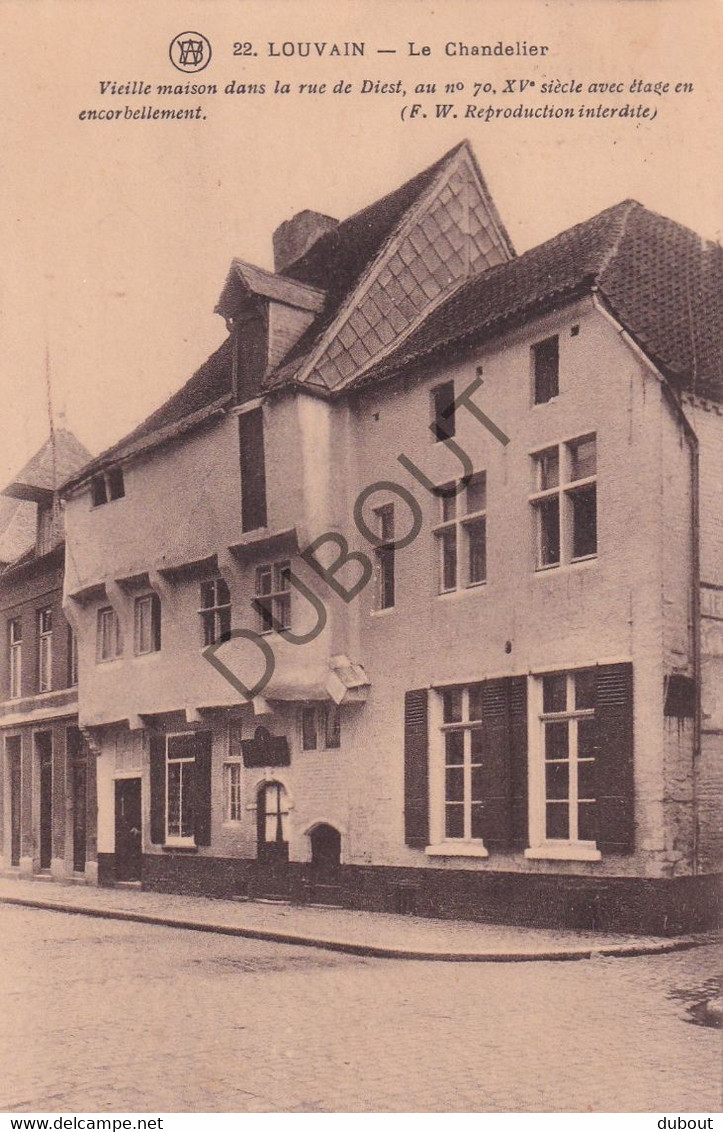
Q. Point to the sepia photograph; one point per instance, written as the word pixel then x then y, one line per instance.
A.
pixel 361 560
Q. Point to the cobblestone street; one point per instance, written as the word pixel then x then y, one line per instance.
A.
pixel 99 1015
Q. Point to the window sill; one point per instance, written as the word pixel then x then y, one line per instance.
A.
pixel 460 591
pixel 457 849
pixel 565 566
pixel 179 847
pixel 563 852
pixel 382 612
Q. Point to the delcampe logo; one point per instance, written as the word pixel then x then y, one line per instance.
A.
pixel 190 52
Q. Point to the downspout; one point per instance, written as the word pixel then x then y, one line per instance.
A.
pixel 692 439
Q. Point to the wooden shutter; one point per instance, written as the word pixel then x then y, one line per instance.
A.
pixel 504 725
pixel 416 769
pixel 614 758
pixel 496 765
pixel 158 789
pixel 202 789
pixel 253 470
pixel 517 693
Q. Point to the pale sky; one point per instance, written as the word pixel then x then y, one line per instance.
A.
pixel 117 236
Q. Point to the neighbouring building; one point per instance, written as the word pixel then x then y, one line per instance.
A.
pixel 410 599
pixel 47 800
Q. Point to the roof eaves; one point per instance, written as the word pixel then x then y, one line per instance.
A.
pixel 486 331
pixel 120 453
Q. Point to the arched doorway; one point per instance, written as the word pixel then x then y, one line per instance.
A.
pixel 325 848
pixel 272 823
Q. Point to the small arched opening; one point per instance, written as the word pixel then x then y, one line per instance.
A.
pixel 325 848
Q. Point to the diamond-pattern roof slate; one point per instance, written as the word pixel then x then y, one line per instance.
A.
pixel 660 280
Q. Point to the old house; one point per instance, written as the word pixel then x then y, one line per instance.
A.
pixel 47 801
pixel 408 599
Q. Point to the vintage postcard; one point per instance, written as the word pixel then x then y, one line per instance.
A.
pixel 361 605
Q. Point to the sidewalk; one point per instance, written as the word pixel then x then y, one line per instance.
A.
pixel 374 934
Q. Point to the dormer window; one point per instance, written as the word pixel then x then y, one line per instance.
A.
pixel 107 486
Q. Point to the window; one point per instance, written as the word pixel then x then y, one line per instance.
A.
pixel 565 502
pixel 273 597
pixel 462 534
pixel 546 369
pixel 215 611
pixel 15 635
pixel 72 657
pixel 45 650
pixel 463 763
pixel 180 785
pixel 253 470
pixel 443 411
pixel 233 791
pixel 107 486
pixel 147 624
pixel 320 727
pixel 272 818
pixel 45 530
pixel 567 721
pixel 180 789
pixel 109 640
pixel 385 556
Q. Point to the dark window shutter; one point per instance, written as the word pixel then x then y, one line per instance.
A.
pixel 614 758
pixel 517 693
pixel 496 765
pixel 504 724
pixel 253 470
pixel 158 789
pixel 202 785
pixel 416 769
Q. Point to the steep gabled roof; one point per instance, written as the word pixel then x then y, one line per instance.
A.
pixel 49 467
pixel 660 280
pixel 332 265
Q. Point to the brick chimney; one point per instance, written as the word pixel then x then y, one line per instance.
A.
pixel 294 237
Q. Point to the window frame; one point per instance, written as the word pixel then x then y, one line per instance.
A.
pixel 45 529
pixel 213 616
pixel 543 846
pixel 233 791
pixel 45 649
pixel 72 657
pixel 384 558
pixel 273 606
pixel 15 659
pixel 443 412
pixel 444 843
pixel 458 525
pixel 186 790
pixel 537 354
pixel 115 635
pixel 110 481
pixel 154 624
pixel 323 715
pixel 560 498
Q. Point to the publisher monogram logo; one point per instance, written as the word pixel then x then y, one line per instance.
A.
pixel 190 52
